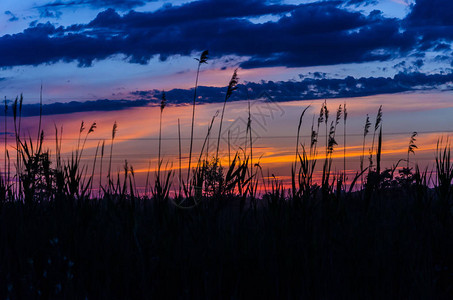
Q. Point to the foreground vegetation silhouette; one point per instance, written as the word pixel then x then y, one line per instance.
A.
pixel 225 232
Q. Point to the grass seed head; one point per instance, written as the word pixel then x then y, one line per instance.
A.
pixel 114 130
pixel 412 144
pixel 367 126
pixel 378 119
pixel 203 57
pixel 233 84
pixel 163 102
pixel 92 127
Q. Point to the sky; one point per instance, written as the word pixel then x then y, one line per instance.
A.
pixel 89 50
pixel 108 61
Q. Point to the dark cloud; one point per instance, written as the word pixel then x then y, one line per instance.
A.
pixel 320 33
pixel 442 47
pixel 315 86
pixel 432 13
pixel 409 66
pixel 361 2
pixel 12 17
pixel 309 34
pixel 47 13
pixel 316 75
pixel 432 21
pixel 74 106
pixel 318 87
pixel 48 44
pixel 338 36
pixel 118 4
pixel 419 63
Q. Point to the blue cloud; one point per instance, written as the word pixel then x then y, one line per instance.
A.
pixel 12 17
pixel 313 86
pixel 47 13
pixel 320 33
pixel 119 4
pixel 317 86
pixel 309 34
pixel 75 106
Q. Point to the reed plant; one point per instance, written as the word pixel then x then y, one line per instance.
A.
pixel 232 86
pixel 110 181
pixel 202 60
pixel 377 126
pixel 345 117
pixel 163 103
pixel 412 146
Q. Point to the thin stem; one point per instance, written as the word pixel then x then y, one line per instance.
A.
pixel 100 169
pixel 229 151
pixel 94 167
pixel 111 152
pixel 231 87
pixel 344 146
pixel 6 139
pixel 193 119
pixel 220 129
pixel 147 178
pixel 180 169
pixel 40 113
pixel 160 138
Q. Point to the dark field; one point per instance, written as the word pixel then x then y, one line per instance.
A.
pixel 392 243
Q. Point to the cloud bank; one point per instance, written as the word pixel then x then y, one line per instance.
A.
pixel 317 86
pixel 319 33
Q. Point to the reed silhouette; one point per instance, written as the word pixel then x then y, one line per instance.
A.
pixel 229 231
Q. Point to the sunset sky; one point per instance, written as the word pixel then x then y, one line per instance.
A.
pixel 105 61
pixel 97 49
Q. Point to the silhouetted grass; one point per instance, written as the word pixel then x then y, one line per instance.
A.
pixel 218 237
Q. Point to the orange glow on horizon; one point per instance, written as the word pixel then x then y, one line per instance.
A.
pixel 274 132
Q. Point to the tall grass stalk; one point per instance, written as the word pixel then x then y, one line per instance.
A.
pixel 81 130
pixel 294 171
pixel 366 130
pixel 231 87
pixel 40 113
pixel 20 152
pixel 148 172
pixel 412 146
pixel 59 173
pixel 379 152
pixel 249 131
pixel 345 117
pixel 207 138
pixel 100 168
pixel 313 136
pixel 202 60
pixel 179 156
pixel 6 137
pixel 114 130
pixel 229 148
pixel 377 124
pixel 298 133
pixel 250 172
pixel 444 168
pixel 90 130
pixel 94 166
pixel 17 113
pixel 326 121
pixel 163 103
pixel 9 171
pixel 333 130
